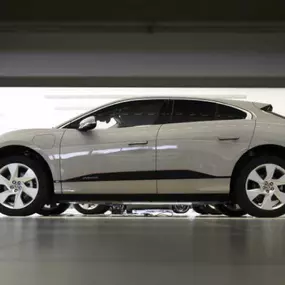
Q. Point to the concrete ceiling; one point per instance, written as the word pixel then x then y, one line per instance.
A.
pixel 142 43
pixel 142 10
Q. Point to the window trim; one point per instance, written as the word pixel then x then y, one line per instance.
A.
pixel 249 115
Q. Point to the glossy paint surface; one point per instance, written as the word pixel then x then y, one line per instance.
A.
pixel 106 151
pixel 46 142
pixel 197 146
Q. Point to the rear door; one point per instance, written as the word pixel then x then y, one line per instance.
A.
pixel 197 150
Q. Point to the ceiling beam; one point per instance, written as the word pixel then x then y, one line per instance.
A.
pixel 212 82
pixel 142 27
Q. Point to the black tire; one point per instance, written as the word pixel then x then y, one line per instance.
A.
pixel 44 186
pixel 181 209
pixel 53 210
pixel 200 209
pixel 239 188
pixel 100 209
pixel 230 210
pixel 211 210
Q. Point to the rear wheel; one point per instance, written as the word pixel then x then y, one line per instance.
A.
pixel 230 210
pixel 24 186
pixel 260 187
pixel 53 210
pixel 91 209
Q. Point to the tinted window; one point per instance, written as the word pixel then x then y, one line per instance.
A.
pixel 130 114
pixel 229 113
pixel 193 111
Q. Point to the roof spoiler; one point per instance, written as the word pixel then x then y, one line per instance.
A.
pixel 264 106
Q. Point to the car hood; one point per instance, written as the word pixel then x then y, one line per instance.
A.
pixel 26 136
pixel 40 131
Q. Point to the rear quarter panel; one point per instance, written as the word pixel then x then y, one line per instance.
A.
pixel 269 133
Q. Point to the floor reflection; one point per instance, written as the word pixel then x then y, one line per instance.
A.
pixel 202 249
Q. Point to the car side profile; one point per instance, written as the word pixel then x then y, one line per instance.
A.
pixel 151 149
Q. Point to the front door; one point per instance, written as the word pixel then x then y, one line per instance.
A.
pixel 118 156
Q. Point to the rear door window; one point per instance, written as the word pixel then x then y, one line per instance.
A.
pixel 224 112
pixel 193 111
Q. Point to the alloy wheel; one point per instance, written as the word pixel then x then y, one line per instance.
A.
pixel 265 186
pixel 19 186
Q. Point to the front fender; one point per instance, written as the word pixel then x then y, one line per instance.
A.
pixel 44 142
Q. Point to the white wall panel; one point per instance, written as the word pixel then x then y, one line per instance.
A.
pixel 47 107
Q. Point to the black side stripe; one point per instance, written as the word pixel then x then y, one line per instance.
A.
pixel 143 175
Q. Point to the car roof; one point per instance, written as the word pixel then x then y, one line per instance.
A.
pixel 204 98
pixel 247 105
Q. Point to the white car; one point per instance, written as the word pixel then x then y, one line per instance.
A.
pixel 153 149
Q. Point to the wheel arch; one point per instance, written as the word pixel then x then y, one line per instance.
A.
pixel 28 151
pixel 267 149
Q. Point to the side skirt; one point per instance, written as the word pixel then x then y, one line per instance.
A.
pixel 142 198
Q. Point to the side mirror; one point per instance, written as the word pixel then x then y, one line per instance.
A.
pixel 87 124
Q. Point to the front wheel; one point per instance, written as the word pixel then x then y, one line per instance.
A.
pixel 24 186
pixel 53 210
pixel 91 209
pixel 260 187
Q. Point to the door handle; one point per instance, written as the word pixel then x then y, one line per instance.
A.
pixel 138 143
pixel 228 138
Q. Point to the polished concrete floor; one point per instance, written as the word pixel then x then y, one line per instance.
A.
pixel 127 250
